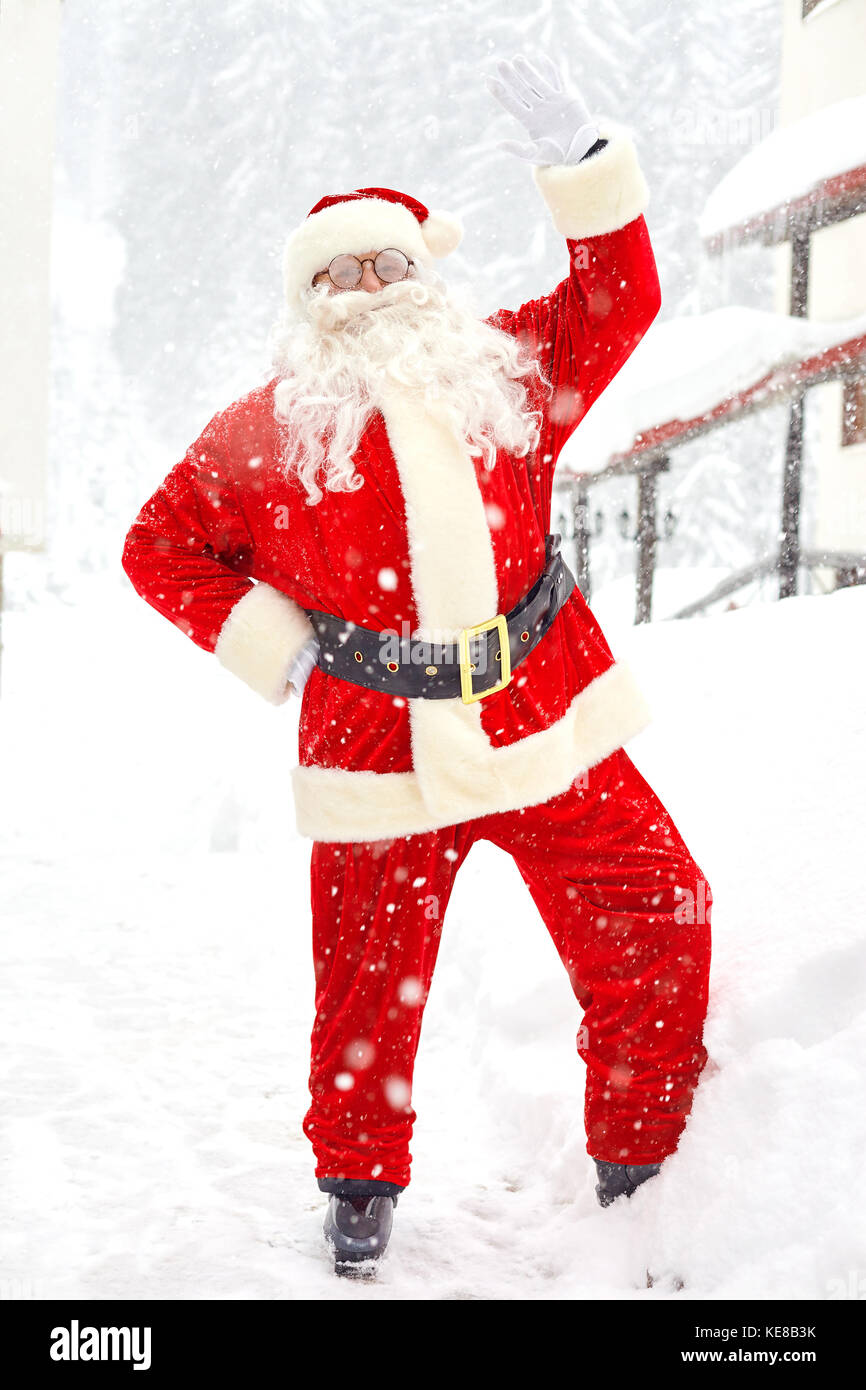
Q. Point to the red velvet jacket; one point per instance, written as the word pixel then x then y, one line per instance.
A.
pixel 228 549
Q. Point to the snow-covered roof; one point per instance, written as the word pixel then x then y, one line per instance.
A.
pixel 788 164
pixel 820 8
pixel 687 371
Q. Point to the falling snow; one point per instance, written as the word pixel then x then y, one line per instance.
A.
pixel 158 990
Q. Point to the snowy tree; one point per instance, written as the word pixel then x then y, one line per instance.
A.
pixel 201 136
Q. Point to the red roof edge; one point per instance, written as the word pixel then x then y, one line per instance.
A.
pixel 837 188
pixel 784 377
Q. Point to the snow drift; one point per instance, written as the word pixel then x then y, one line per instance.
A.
pixel 158 993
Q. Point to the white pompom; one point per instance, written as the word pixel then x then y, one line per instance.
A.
pixel 442 233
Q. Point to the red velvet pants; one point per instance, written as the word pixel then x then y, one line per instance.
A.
pixel 628 911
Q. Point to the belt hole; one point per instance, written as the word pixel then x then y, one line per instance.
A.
pixel 524 636
pixel 392 666
pixel 431 670
pixel 358 656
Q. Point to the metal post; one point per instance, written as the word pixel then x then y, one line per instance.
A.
pixel 581 539
pixel 792 482
pixel 799 297
pixel 789 535
pixel 646 541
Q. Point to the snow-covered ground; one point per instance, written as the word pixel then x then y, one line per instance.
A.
pixel 157 990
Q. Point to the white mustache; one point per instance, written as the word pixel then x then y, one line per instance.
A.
pixel 334 311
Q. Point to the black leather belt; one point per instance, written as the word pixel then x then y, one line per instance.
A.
pixel 467 669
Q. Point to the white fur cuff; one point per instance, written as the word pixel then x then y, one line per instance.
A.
pixel 601 193
pixel 461 782
pixel 260 638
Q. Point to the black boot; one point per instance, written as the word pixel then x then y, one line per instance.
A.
pixel 358 1221
pixel 614 1179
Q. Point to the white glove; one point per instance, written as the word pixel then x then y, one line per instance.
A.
pixel 301 667
pixel 558 121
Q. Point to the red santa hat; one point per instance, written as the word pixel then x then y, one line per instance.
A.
pixel 369 219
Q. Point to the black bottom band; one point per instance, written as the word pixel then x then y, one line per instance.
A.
pixel 358 1187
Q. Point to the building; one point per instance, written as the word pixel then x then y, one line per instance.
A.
pixel 824 64
pixel 29 33
pixel 802 192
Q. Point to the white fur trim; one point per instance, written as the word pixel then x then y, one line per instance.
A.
pixel 445 518
pixel 363 224
pixel 457 772
pixel 442 233
pixel 260 639
pixel 333 804
pixel 601 193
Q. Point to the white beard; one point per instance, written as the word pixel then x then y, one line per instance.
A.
pixel 334 367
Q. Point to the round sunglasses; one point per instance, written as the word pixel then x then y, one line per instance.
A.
pixel 345 271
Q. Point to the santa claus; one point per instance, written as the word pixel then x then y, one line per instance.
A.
pixel 371 528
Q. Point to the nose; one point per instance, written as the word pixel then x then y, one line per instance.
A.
pixel 369 279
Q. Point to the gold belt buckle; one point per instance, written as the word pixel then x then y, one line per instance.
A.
pixel 467 695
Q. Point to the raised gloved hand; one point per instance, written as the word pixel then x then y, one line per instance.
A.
pixel 558 121
pixel 301 667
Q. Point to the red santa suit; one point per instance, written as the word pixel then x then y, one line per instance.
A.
pixel 393 791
